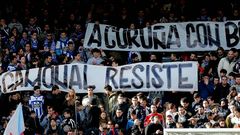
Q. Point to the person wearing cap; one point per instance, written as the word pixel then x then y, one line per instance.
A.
pixel 97 58
pixel 90 95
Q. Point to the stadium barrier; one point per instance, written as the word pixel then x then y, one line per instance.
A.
pixel 203 131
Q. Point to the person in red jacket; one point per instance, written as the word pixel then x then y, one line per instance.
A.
pixel 152 114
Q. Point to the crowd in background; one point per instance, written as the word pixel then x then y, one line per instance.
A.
pixel 51 32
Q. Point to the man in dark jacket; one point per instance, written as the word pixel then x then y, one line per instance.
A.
pixel 68 124
pixel 55 99
pixel 120 120
pixel 222 90
pixel 154 128
pixel 205 87
pixel 110 98
pixel 33 126
pixel 121 103
pixel 93 119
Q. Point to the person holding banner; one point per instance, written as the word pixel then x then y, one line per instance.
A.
pixel 173 57
pixel 193 56
pixel 134 57
pixel 96 59
pixel 77 59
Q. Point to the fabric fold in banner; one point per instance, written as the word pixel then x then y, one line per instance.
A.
pixel 145 76
pixel 16 124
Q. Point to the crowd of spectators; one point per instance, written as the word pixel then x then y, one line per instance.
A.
pixel 51 32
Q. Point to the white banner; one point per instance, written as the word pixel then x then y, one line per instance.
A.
pixel 172 76
pixel 178 37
